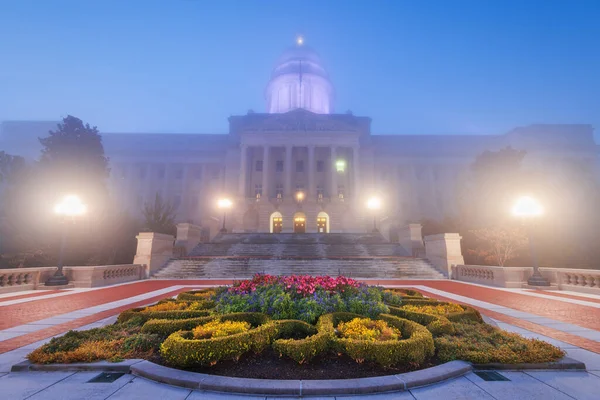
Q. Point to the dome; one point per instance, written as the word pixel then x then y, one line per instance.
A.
pixel 299 81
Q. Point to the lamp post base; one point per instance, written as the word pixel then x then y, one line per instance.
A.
pixel 537 280
pixel 375 230
pixel 57 280
pixel 223 230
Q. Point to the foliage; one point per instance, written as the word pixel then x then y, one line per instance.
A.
pixel 482 344
pixel 368 329
pixel 196 295
pixel 415 347
pixel 303 298
pixel 215 329
pixel 165 327
pixel 439 309
pixel 504 243
pixel 159 216
pixel 436 324
pixel 302 350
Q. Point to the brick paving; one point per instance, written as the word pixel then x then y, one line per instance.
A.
pixel 39 309
pixel 29 295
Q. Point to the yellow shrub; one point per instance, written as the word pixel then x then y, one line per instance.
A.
pixel 368 329
pixel 215 329
pixel 167 306
pixel 438 309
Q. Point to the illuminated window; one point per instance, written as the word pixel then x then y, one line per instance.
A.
pixel 340 165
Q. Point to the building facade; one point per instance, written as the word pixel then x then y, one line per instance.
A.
pixel 301 167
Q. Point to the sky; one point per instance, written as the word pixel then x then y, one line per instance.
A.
pixel 414 67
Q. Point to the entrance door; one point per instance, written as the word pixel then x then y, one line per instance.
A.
pixel 277 224
pixel 322 224
pixel 299 225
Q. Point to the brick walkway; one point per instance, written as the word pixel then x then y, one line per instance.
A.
pixel 16 315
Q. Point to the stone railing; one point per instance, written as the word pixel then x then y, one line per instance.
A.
pixel 578 280
pixel 19 279
pixel 103 275
pixel 489 275
pixel 443 251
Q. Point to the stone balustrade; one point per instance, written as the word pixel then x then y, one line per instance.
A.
pixel 19 279
pixel 578 280
pixel 103 275
pixel 491 275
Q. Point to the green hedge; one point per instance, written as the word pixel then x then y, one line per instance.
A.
pixel 196 295
pixel 436 324
pixel 181 350
pixel 165 327
pixel 303 350
pixel 145 316
pixel 470 314
pixel 415 347
pixel 253 318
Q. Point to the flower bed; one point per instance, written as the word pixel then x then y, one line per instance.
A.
pixel 298 320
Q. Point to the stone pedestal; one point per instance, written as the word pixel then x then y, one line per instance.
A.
pixel 153 251
pixel 188 236
pixel 411 239
pixel 443 251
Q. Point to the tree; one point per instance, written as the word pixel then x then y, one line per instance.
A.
pixel 502 243
pixel 160 216
pixel 10 167
pixel 73 161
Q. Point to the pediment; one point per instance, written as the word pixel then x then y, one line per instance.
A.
pixel 300 120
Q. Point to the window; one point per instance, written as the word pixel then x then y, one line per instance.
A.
pixel 259 165
pixel 320 192
pixel 300 166
pixel 279 190
pixel 179 173
pixel 320 166
pixel 279 166
pixel 160 173
pixel 143 172
pixel 198 174
pixel 341 192
pixel 258 190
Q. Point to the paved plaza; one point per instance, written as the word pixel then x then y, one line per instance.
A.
pixel 567 319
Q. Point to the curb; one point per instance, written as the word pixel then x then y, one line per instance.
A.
pixel 377 384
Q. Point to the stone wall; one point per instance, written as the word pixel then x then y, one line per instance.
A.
pixel 153 251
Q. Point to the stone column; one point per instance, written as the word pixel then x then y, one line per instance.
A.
pixel 287 191
pixel 265 173
pixel 243 166
pixel 312 192
pixel 355 172
pixel 333 194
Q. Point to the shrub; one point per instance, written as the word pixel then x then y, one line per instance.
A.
pixel 139 315
pixel 180 350
pixel 438 309
pixel 141 343
pixel 368 329
pixel 482 344
pixel 415 346
pixel 436 324
pixel 85 352
pixel 167 306
pixel 302 349
pixel 165 327
pixel 215 329
pixel 253 318
pixel 195 295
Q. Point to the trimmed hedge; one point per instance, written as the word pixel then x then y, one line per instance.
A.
pixel 253 318
pixel 145 316
pixel 470 314
pixel 165 327
pixel 196 295
pixel 415 347
pixel 303 350
pixel 436 324
pixel 180 350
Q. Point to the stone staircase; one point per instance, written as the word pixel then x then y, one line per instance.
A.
pixel 243 255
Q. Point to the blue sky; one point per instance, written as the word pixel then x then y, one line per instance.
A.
pixel 415 67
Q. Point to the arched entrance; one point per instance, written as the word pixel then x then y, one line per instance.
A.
pixel 276 224
pixel 323 222
pixel 299 222
pixel 250 221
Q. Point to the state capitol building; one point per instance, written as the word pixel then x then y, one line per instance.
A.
pixel 301 166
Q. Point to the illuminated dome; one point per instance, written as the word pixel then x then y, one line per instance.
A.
pixel 299 81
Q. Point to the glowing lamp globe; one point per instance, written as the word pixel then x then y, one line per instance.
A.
pixel 70 206
pixel 374 203
pixel 224 203
pixel 527 207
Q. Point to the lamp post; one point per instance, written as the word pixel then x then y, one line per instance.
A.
pixel 374 204
pixel 69 208
pixel 529 209
pixel 224 204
